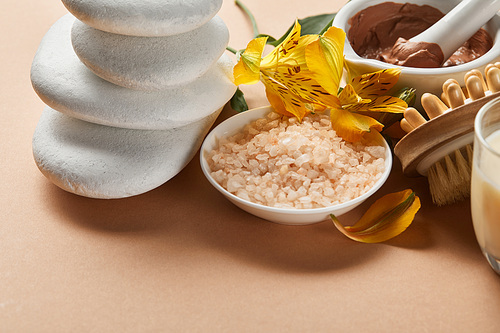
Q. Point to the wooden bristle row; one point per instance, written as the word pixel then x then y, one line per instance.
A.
pixel 478 75
pixel 475 87
pixel 432 105
pixel 412 119
pixel 453 95
pixel 405 125
pixel 493 77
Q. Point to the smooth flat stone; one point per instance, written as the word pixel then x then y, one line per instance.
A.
pixel 150 63
pixel 65 84
pixel 144 18
pixel 108 162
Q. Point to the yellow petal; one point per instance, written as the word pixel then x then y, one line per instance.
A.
pixel 325 59
pixel 298 52
pixel 380 104
pixel 284 101
pixel 377 83
pixel 351 126
pixel 247 70
pixel 276 102
pixel 349 98
pixel 301 84
pixel 388 217
pixel 285 48
pixel 293 56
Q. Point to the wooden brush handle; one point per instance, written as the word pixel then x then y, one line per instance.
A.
pixel 436 133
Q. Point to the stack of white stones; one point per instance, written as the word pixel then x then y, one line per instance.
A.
pixel 132 88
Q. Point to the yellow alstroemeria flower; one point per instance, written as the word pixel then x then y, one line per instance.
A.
pixel 362 99
pixel 303 75
pixel 290 88
pixel 364 94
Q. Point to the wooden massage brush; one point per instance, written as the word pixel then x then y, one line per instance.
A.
pixel 441 148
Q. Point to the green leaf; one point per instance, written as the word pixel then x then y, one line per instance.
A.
pixel 312 25
pixel 270 39
pixel 238 102
pixel 316 24
pixel 325 28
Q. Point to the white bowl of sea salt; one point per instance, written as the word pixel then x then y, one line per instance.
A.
pixel 291 172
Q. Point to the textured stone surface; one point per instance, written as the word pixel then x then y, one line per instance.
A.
pixel 150 63
pixel 108 162
pixel 144 18
pixel 68 86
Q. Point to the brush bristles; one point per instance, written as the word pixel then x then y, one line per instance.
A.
pixel 449 178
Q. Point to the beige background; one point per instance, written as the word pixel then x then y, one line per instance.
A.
pixel 182 258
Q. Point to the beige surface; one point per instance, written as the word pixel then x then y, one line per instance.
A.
pixel 181 258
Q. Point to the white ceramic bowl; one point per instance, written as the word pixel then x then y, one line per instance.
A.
pixel 279 215
pixel 422 79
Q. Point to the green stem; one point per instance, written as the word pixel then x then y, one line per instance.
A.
pixel 230 49
pixel 250 16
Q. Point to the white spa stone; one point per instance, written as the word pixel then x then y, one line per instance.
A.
pixel 65 84
pixel 108 162
pixel 144 18
pixel 150 63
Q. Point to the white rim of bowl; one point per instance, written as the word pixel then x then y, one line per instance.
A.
pixel 353 7
pixel 298 211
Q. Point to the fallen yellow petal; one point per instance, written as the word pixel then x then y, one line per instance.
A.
pixel 388 217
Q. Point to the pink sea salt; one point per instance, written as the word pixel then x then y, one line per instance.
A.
pixel 280 162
